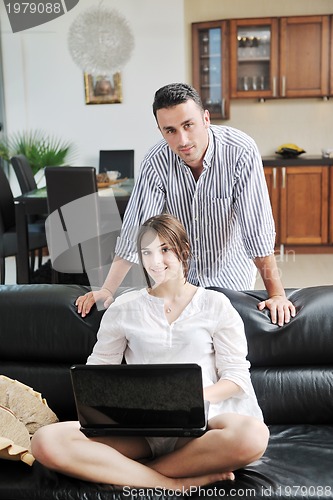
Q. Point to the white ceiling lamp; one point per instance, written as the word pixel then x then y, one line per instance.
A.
pixel 100 41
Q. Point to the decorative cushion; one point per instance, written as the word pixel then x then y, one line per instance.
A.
pixel 14 438
pixel 22 412
pixel 26 404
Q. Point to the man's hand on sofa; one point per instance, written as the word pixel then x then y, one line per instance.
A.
pixel 85 302
pixel 281 309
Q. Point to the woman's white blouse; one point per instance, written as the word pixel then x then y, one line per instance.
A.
pixel 209 332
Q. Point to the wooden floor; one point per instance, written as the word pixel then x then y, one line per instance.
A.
pixel 297 270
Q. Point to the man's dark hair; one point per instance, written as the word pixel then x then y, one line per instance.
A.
pixel 173 94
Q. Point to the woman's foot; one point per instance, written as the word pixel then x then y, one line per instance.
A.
pixel 187 483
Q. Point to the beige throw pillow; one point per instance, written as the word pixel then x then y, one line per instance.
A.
pixel 14 438
pixel 27 404
pixel 22 412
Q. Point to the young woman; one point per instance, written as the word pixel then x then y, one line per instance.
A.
pixel 169 321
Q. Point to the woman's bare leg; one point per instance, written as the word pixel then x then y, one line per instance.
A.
pixel 231 442
pixel 64 448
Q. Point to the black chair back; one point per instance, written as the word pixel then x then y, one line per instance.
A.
pixel 8 229
pixel 77 241
pixel 7 207
pixel 121 160
pixel 66 184
pixel 23 173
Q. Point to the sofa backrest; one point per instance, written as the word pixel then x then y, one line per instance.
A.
pixel 292 365
pixel 41 336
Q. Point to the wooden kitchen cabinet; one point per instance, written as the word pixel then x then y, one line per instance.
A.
pixel 280 57
pixel 304 56
pixel 262 58
pixel 254 57
pixel 210 66
pixel 304 205
pixel 300 203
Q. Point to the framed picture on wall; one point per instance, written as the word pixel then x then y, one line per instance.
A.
pixel 103 89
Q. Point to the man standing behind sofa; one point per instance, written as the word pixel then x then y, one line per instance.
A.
pixel 211 178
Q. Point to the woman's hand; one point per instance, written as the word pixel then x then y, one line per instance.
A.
pixel 85 302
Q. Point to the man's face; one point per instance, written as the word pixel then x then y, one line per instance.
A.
pixel 184 127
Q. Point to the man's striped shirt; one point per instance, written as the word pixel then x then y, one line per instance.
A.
pixel 226 212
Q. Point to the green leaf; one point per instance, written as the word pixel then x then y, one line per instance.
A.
pixel 40 149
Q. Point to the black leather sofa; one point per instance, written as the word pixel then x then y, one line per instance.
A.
pixel 41 335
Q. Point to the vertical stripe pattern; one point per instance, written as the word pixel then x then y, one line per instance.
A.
pixel 226 213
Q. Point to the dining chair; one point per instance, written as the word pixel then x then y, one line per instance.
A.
pixel 8 232
pixel 24 173
pixel 27 182
pixel 117 159
pixel 81 235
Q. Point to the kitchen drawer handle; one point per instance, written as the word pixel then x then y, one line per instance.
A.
pixel 284 178
pixel 274 178
pixel 283 86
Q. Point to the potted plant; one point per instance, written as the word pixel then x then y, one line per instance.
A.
pixel 40 149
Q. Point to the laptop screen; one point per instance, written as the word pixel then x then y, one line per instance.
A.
pixel 139 396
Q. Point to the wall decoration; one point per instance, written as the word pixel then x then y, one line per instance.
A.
pixel 103 89
pixel 100 41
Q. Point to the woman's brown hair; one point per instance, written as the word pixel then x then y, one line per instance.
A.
pixel 173 233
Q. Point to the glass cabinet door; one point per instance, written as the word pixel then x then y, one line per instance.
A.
pixel 210 67
pixel 254 58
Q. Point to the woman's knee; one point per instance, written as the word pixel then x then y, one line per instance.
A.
pixel 259 433
pixel 246 437
pixel 49 444
pixel 253 439
pixel 41 444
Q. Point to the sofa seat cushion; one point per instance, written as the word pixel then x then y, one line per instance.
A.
pixel 298 464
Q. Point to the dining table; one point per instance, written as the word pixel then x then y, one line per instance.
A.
pixel 35 203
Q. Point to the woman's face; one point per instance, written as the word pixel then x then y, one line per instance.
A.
pixel 159 260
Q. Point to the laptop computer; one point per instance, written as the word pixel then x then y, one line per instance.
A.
pixel 140 400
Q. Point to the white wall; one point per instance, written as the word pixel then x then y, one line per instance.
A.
pixel 44 88
pixel 306 122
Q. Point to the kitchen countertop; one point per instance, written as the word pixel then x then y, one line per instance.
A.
pixel 301 160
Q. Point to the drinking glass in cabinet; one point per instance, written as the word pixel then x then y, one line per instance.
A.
pixel 253 58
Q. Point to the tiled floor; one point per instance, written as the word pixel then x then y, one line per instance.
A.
pixel 297 270
pixel 302 270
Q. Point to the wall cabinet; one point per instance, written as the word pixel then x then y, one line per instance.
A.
pixel 254 57
pixel 283 57
pixel 210 66
pixel 304 56
pixel 286 57
pixel 300 203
